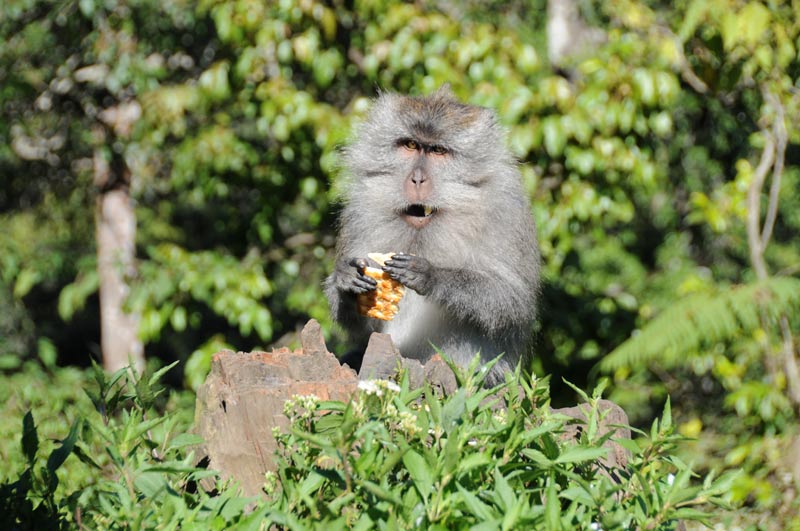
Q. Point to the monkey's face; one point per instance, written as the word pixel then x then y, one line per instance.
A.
pixel 424 161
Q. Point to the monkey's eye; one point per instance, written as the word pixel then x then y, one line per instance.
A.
pixel 409 144
pixel 439 150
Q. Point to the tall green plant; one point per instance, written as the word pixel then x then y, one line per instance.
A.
pixel 407 459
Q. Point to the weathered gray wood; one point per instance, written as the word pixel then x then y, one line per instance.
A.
pixel 243 396
pixel 382 360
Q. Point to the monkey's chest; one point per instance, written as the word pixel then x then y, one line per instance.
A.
pixel 419 324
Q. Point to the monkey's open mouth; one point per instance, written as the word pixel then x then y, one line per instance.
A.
pixel 418 215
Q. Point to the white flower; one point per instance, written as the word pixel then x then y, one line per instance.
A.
pixel 408 423
pixel 390 385
pixel 670 479
pixel 370 387
pixel 376 387
pixel 595 526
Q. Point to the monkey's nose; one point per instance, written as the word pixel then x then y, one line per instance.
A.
pixel 418 186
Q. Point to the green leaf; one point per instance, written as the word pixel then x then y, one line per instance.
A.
pixel 178 319
pixel 581 393
pixel 552 515
pixel 150 484
pixel 504 492
pixel 30 439
pixel 26 280
pixel 380 492
pixel 60 454
pixel 83 453
pixel 421 474
pixel 9 362
pixel 185 439
pixel 47 352
pixel 472 461
pixel 156 377
pixel 143 427
pixel 555 138
pixel 755 19
pixel 579 454
pixel 666 417
pixel 537 457
pixel 311 484
pixel 475 506
pixel 453 410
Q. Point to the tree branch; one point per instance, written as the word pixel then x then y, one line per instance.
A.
pixel 687 74
pixel 790 366
pixel 780 135
pixel 773 156
pixel 754 240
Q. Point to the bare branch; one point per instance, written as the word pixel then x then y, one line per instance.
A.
pixel 781 139
pixel 790 366
pixel 754 206
pixel 687 74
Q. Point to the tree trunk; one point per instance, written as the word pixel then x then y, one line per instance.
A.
pixel 116 246
pixel 568 36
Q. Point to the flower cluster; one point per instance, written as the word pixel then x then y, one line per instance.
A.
pixel 378 387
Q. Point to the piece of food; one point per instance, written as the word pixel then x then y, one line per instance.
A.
pixel 381 303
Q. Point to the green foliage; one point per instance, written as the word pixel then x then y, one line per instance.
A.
pixel 234 148
pixel 702 320
pixel 126 464
pixel 229 287
pixel 31 499
pixel 638 157
pixel 406 459
pixel 390 457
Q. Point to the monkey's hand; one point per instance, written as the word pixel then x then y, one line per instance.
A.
pixel 412 271
pixel 350 276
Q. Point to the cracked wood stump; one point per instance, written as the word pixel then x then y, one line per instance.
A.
pixel 243 397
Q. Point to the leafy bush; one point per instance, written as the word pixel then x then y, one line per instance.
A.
pixel 391 458
pixel 483 459
pixel 131 468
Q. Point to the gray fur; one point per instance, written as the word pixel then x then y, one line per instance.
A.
pixel 480 248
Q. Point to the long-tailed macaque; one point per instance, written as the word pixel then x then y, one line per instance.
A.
pixel 431 180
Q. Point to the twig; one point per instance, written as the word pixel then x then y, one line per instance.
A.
pixel 754 207
pixel 780 135
pixel 790 366
pixel 688 75
pixel 773 156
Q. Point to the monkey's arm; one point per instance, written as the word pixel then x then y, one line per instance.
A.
pixel 349 276
pixel 494 300
pixel 341 287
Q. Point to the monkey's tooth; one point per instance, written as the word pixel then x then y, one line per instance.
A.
pixel 428 211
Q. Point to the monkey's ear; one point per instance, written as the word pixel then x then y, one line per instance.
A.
pixel 444 92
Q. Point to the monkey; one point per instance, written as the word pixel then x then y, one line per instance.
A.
pixel 430 179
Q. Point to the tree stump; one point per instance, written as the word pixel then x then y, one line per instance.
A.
pixel 243 397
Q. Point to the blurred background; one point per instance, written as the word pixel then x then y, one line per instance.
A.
pixel 180 158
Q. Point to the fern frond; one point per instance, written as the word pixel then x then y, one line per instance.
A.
pixel 702 320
